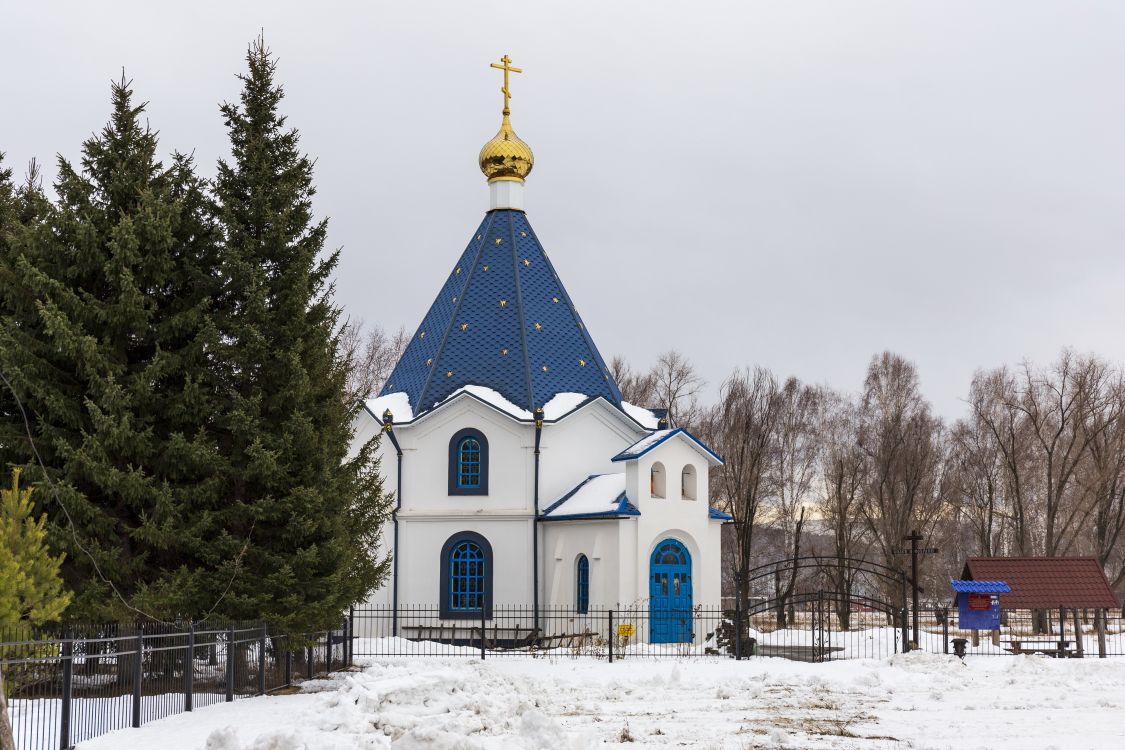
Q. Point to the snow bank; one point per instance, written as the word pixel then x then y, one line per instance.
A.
pixel 917 700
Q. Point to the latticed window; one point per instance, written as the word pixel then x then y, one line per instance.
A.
pixel 468 463
pixel 582 585
pixel 466 577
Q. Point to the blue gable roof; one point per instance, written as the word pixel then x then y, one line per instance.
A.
pixel 504 321
pixel 647 443
pixel 980 587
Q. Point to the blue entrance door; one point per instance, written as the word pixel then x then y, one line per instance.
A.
pixel 669 593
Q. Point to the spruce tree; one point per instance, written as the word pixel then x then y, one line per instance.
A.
pixel 106 334
pixel 311 511
pixel 31 589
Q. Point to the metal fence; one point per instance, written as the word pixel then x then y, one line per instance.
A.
pixel 811 627
pixel 635 632
pixel 1081 633
pixel 65 687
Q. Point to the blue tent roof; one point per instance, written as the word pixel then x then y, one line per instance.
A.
pixel 504 321
pixel 980 587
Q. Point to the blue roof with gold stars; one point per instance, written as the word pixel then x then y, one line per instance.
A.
pixel 504 321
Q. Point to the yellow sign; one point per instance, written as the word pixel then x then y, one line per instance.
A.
pixel 625 631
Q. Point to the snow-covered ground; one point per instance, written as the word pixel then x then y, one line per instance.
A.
pixel 917 700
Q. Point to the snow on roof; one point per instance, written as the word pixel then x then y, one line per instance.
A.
pixel 598 495
pixel 646 418
pixel 647 443
pixel 563 404
pixel 398 403
pixel 644 445
pixel 491 397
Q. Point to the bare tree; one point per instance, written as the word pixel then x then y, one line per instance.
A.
pixel 1103 480
pixel 1066 409
pixel 993 400
pixel 636 388
pixel 743 428
pixel 794 473
pixel 843 471
pixel 677 387
pixel 979 484
pixel 372 355
pixel 903 443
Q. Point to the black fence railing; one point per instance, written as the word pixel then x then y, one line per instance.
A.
pixel 633 632
pixel 810 627
pixel 1085 633
pixel 67 686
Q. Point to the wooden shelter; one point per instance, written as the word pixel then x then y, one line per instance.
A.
pixel 1050 584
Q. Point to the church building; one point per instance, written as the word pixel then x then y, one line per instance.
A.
pixel 521 478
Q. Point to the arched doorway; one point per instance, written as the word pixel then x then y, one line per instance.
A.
pixel 669 593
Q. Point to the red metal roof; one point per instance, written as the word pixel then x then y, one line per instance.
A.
pixel 1046 582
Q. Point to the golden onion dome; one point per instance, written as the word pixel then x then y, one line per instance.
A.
pixel 506 157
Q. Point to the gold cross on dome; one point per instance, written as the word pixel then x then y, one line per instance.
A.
pixel 506 66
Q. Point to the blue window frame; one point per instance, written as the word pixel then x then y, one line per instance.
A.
pixel 468 463
pixel 582 585
pixel 466 576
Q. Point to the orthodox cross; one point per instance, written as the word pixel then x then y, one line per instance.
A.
pixel 914 537
pixel 506 67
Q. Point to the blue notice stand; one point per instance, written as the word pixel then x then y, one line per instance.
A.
pixel 978 603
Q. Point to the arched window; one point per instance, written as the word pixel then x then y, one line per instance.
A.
pixel 658 482
pixel 466 576
pixel 468 463
pixel 582 585
pixel 687 483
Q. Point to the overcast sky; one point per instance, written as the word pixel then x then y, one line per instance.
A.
pixel 797 185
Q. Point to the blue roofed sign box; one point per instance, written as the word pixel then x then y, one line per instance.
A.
pixel 978 603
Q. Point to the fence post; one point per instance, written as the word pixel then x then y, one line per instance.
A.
pixel 737 629
pixel 288 668
pixel 351 636
pixel 327 652
pixel 482 626
pixel 611 636
pixel 945 630
pixel 67 689
pixel 138 675
pixel 189 668
pixel 262 660
pixel 1100 618
pixel 311 652
pixel 905 632
pixel 230 663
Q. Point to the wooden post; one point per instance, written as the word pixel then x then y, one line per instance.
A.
pixel 1062 632
pixel 1099 622
pixel 1078 634
pixel 995 637
pixel 976 638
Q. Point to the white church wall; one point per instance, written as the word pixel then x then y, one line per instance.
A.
pixel 425 446
pixel 563 542
pixel 367 427
pixel 421 542
pixel 675 517
pixel 579 445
